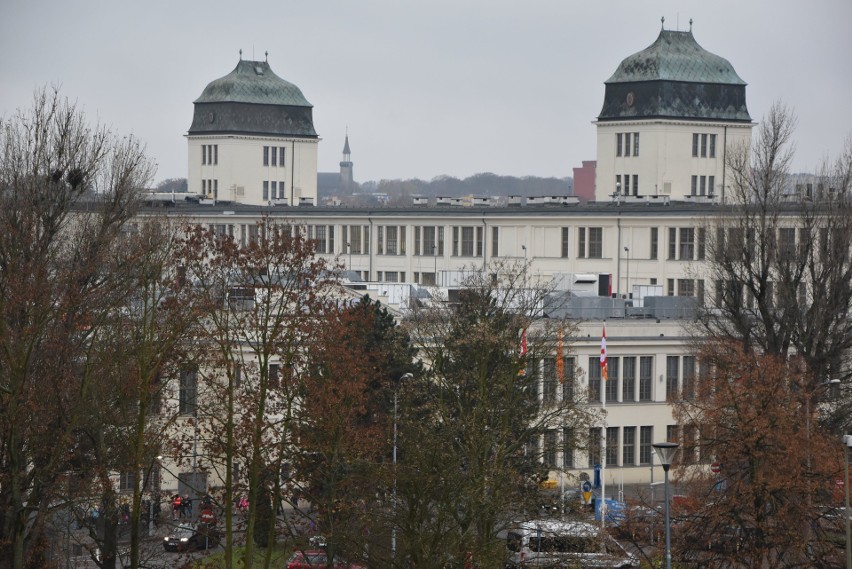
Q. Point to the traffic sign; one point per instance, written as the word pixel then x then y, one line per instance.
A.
pixel 716 468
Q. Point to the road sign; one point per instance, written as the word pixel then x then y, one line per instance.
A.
pixel 716 468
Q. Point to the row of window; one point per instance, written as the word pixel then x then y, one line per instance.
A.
pixel 703 145
pixel 634 447
pixel 210 188
pixel 209 154
pixel 627 189
pixel 630 379
pixel 703 186
pixel 627 144
pixel 274 190
pixel 273 156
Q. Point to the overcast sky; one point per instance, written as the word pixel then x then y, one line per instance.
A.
pixel 427 87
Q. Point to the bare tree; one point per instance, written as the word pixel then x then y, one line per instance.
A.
pixel 779 255
pixel 67 191
pixel 261 304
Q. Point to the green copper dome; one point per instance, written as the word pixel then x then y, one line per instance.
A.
pixel 252 100
pixel 253 82
pixel 675 78
pixel 676 56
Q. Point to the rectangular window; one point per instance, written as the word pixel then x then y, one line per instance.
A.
pixel 440 241
pixel 635 144
pixel 618 184
pixel 672 242
pixel 266 156
pixel 704 146
pixel 670 287
pixel 274 375
pixel 618 144
pixel 595 379
pixel 495 241
pixel 187 391
pixel 687 243
pixel 628 453
pixel 321 239
pixel 565 233
pixel 702 243
pixel 548 381
pixel 595 242
pixel 655 242
pixel 703 189
pixel 550 440
pixel 712 152
pixel 635 184
pixel 203 154
pixel 455 252
pixel 646 435
pixel 594 446
pixel 688 390
pixel 126 481
pixel 265 190
pixel 673 433
pixel 628 379
pixel 786 243
pixel 273 156
pixel 567 379
pixel 612 446
pixel 627 184
pixel 467 241
pixel 612 381
pixel 429 247
pixel 380 238
pixel 281 193
pixel 281 156
pixel 693 191
pixel 672 377
pixel 685 287
pixel 646 370
pixel 567 447
pixel 694 145
pixel 627 144
pixel 479 241
pixel 391 240
pixel 215 153
pixel 417 240
pixel 581 242
pixel 274 192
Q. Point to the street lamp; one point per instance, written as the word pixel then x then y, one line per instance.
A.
pixel 847 443
pixel 404 377
pixel 666 452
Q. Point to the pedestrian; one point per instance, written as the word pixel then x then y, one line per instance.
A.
pixel 177 509
pixel 187 505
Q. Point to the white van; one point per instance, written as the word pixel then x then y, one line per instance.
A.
pixel 554 543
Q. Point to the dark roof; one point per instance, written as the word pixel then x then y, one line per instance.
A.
pixel 253 82
pixel 675 78
pixel 676 56
pixel 253 100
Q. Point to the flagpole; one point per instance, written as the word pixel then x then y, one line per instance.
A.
pixel 604 379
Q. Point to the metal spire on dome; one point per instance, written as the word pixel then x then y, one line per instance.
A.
pixel 663 23
pixel 266 56
pixel 241 54
pixel 690 25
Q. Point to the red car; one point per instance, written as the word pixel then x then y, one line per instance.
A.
pixel 317 559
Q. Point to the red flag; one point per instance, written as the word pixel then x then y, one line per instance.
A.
pixel 604 370
pixel 560 364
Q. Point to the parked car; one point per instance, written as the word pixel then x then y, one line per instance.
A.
pixel 317 559
pixel 190 538
pixel 555 543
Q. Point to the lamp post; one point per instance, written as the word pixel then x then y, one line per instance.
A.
pixel 435 255
pixel 665 452
pixel 349 249
pixel 524 247
pixel 404 377
pixel 847 443
pixel 627 250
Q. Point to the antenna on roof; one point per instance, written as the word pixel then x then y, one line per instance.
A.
pixel 663 23
pixel 690 25
pixel 241 54
pixel 266 53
